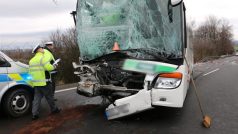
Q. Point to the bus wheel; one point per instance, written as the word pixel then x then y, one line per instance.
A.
pixel 17 102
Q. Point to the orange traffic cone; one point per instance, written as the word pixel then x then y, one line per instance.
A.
pixel 116 47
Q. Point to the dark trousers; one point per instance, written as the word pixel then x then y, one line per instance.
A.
pixel 52 85
pixel 40 92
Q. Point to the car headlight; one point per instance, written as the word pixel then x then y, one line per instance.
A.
pixel 168 81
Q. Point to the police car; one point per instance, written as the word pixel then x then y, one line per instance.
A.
pixel 16 92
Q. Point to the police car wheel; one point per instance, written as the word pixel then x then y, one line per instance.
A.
pixel 17 102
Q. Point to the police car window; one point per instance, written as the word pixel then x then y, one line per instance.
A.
pixel 3 62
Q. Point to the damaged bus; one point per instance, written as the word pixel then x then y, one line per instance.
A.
pixel 134 53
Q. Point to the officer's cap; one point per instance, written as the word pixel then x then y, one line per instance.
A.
pixel 49 43
pixel 36 48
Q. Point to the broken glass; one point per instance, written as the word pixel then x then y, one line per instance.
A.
pixel 133 24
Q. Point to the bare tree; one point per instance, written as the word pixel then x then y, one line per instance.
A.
pixel 67 50
pixel 213 38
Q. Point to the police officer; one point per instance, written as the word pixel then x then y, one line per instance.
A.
pixel 49 46
pixel 37 67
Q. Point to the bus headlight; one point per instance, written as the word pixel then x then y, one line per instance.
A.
pixel 168 81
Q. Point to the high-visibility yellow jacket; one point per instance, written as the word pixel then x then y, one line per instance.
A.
pixel 48 55
pixel 37 67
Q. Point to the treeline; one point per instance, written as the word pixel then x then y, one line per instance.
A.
pixel 212 38
pixel 67 50
pixel 22 55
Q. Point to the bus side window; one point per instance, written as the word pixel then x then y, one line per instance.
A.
pixel 4 63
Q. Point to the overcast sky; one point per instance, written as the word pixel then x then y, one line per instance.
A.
pixel 29 21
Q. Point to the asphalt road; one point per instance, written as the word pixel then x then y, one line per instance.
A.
pixel 217 84
pixel 66 98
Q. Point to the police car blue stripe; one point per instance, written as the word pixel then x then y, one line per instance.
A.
pixel 26 76
pixel 4 78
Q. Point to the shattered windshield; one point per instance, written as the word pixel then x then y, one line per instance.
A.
pixel 132 24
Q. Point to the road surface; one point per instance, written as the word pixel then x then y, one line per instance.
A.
pixel 217 84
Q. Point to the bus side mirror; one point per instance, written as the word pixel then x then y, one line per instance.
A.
pixel 175 2
pixel 74 14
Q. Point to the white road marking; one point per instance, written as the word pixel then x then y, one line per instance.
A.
pixel 67 89
pixel 211 72
pixel 233 62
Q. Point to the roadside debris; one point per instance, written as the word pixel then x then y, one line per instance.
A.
pixel 51 123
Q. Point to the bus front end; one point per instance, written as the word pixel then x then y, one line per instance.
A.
pixel 133 53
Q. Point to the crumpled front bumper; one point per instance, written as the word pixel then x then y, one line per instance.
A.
pixel 129 105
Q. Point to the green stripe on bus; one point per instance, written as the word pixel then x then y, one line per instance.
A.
pixel 145 67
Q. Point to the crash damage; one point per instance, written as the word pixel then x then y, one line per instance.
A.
pixel 146 31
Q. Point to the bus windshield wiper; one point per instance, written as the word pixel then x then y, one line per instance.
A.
pixel 174 56
pixel 152 52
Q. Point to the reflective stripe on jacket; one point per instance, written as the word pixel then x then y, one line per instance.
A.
pixel 37 67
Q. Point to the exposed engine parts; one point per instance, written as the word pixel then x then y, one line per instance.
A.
pixel 106 78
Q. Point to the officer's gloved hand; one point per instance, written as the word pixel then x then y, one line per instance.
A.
pixel 55 65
